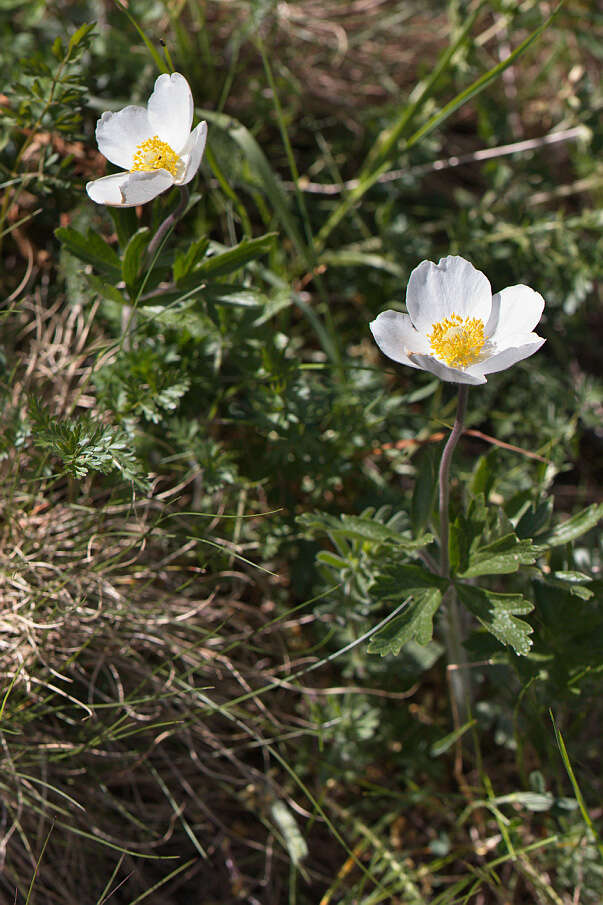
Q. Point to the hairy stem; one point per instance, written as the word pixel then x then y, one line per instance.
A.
pixel 128 313
pixel 169 222
pixel 459 676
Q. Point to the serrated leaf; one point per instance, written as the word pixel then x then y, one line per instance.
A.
pixel 501 557
pixel 399 579
pixel 414 624
pixel 91 249
pixel 497 613
pixel 359 528
pixel 574 527
pixel 133 257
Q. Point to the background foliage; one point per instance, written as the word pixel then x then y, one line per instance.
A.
pixel 214 486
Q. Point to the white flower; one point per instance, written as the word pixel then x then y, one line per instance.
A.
pixel 455 328
pixel 154 145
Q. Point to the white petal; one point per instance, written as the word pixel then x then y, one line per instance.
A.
pixel 193 152
pixel 108 189
pixel 171 110
pixel 516 309
pixel 453 286
pixel 451 375
pixel 129 189
pixel 119 134
pixel 141 187
pixel 523 346
pixel 397 338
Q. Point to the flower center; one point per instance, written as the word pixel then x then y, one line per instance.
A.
pixel 154 154
pixel 458 341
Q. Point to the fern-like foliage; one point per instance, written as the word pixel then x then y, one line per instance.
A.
pixel 84 445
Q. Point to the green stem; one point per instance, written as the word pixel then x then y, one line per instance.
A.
pixel 128 313
pixel 453 439
pixel 459 677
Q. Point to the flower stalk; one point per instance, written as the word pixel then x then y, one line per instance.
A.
pixel 169 222
pixel 459 676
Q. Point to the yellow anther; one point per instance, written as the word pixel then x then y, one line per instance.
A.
pixel 155 154
pixel 458 341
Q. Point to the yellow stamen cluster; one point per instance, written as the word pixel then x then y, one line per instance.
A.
pixel 155 154
pixel 458 341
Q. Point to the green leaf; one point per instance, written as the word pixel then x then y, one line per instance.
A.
pixel 106 290
pixel 535 518
pixel 400 578
pixel 263 172
pixel 80 34
pixel 91 249
pixel 332 560
pixel 414 624
pixel 133 257
pixel 424 491
pixel 574 527
pixel 497 613
pixel 367 529
pixel 460 538
pixel 57 48
pixel 484 474
pixel 185 262
pixel 237 296
pixel 233 259
pixel 501 557
pixel 361 528
pixel 444 744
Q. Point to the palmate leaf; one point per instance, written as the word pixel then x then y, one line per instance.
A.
pixel 415 623
pixel 362 528
pixel 500 557
pixel 498 614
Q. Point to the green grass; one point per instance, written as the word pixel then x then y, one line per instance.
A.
pixel 198 512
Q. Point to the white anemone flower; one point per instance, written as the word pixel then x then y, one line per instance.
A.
pixel 455 328
pixel 154 145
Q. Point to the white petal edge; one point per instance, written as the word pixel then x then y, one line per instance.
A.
pixel 119 134
pixel 193 152
pixel 450 375
pixel 397 338
pixel 453 286
pixel 510 356
pixel 141 187
pixel 129 189
pixel 516 309
pixel 170 110
pixel 108 189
